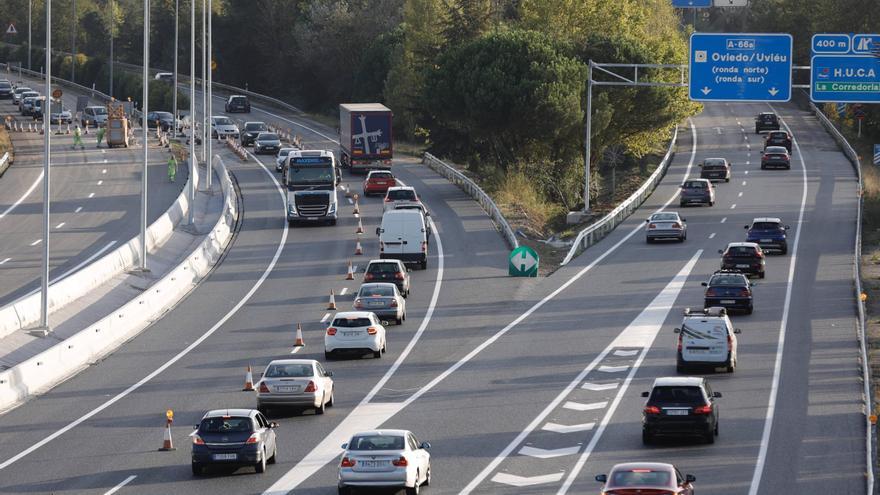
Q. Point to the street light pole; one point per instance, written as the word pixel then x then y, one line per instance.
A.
pixel 587 137
pixel 73 27
pixel 144 110
pixel 204 78
pixel 209 111
pixel 192 113
pixel 176 49
pixel 112 35
pixel 30 30
pixel 47 138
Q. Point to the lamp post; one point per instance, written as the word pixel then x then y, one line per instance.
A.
pixel 192 112
pixel 112 9
pixel 204 79
pixel 47 139
pixel 146 127
pixel 73 27
pixel 30 30
pixel 176 49
pixel 209 111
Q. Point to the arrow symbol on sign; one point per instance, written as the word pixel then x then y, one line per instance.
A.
pixel 705 90
pixel 773 91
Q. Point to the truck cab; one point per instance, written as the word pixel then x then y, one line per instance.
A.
pixel 311 177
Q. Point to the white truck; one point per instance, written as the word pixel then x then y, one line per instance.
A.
pixel 311 177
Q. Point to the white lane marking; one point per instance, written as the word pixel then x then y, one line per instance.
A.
pixel 739 195
pixel 718 130
pixel 746 172
pixel 783 326
pixel 78 209
pixel 325 317
pixel 733 206
pixel 627 353
pixel 4 261
pixel 712 235
pixel 577 406
pixel 36 242
pixel 343 291
pixel 91 195
pixel 739 123
pixel 103 151
pixel 744 182
pixel 613 369
pixel 354 268
pixel 539 453
pixel 104 171
pixel 370 416
pixel 748 163
pixel 23 196
pixel 640 333
pixel 746 136
pixel 723 219
pixel 296 349
pixel 558 428
pixel 120 485
pixel 598 387
pixel 45 440
pixel 523 481
pixel 105 161
pixel 350 201
pixel 100 182
pixel 60 225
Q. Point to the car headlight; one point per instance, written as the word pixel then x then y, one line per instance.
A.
pixel 291 209
pixel 332 208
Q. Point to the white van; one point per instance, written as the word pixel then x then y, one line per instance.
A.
pixel 403 236
pixel 706 338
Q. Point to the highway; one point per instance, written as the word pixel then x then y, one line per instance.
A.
pixel 521 385
pixel 95 202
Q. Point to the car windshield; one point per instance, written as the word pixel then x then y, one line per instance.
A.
pixel 695 185
pixel 776 150
pixel 713 162
pixel 727 280
pixel 5 85
pixel 661 217
pixel 352 322
pixel 639 477
pixel 284 151
pixel 383 268
pixel 267 136
pixel 376 442
pixel 381 176
pixel 768 117
pixel 310 174
pixel 164 115
pixel 288 371
pixel 741 251
pixel 255 126
pixel 402 194
pixel 238 99
pixel 99 111
pixel 765 226
pixel 227 424
pixel 222 121
pixel 677 394
pixel 375 291
pixel 22 90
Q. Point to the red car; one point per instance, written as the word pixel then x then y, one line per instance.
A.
pixel 654 478
pixel 378 182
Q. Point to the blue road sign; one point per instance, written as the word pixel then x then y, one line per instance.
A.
pixel 691 4
pixel 845 78
pixel 830 43
pixel 740 67
pixel 865 44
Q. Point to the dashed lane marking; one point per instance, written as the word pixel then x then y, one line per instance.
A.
pixel 120 485
pixel 91 195
pixel 325 317
pixel 523 481
pixel 578 406
pixel 613 369
pixel 626 353
pixel 733 206
pixel 36 242
pixel 712 235
pixel 60 225
pixel 723 219
pixel 539 453
pixel 739 195
pixel 558 428
pixel 4 261
pixel 78 209
pixel 344 290
pixel 598 387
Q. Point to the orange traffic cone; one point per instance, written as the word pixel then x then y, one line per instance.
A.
pixel 299 342
pixel 360 229
pixel 86 130
pixel 167 443
pixel 248 381
pixel 332 305
pixel 358 250
pixel 350 275
pixel 347 191
pixel 357 209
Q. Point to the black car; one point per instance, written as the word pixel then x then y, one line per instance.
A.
pixel 234 438
pixel 729 289
pixel 6 90
pixel 715 169
pixel 778 138
pixel 251 131
pixel 747 257
pixel 238 103
pixel 775 157
pixel 766 121
pixel 680 406
pixel 163 120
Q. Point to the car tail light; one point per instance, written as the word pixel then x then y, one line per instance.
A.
pixel 388 200
pixel 398 276
pixel 401 462
pixel 652 225
pixel 368 276
pixel 760 254
pixel 729 341
pixel 394 303
pixel 710 292
pixel 652 410
pixel 745 292
pixel 197 440
pixel 707 409
pixel 372 330
pixel 358 303
pixel 264 389
pixel 680 338
pixel 254 438
pixel 310 387
pixel 424 247
pixel 331 331
pixel 346 462
pixel 676 225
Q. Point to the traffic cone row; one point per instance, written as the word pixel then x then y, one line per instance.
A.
pixel 237 149
pixel 68 129
pixel 357 209
pixel 86 130
pixel 358 250
pixel 350 275
pixel 360 229
pixel 347 191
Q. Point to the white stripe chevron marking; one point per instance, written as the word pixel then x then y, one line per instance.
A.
pixel 577 406
pixel 521 481
pixel 598 387
pixel 613 369
pixel 622 353
pixel 548 453
pixel 558 428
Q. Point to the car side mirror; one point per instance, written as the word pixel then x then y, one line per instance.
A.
pixel 689 478
pixel 737 331
pixel 195 427
pixel 684 219
pixel 427 213
pixel 704 284
pixel 425 445
pixel 699 164
pixel 787 227
pixel 745 226
pixel 409 269
pixel 273 425
pixel 647 220
pixel 328 373
pixel 378 230
pixel 601 478
pixel 345 445
pixel 716 395
pixel 720 251
pixel 676 330
pixel 645 394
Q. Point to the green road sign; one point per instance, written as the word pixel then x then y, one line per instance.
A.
pixel 523 262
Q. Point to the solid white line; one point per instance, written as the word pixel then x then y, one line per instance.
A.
pixel 45 440
pixel 23 196
pixel 343 291
pixel 60 225
pixel 325 317
pixel 91 195
pixel 783 325
pixel 350 201
pixel 117 487
pixel 296 349
pixel 746 172
pixel 78 209
pixel 744 182
pixel 104 171
pixel 712 235
pixel 36 242
pixel 4 261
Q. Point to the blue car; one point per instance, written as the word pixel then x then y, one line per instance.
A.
pixel 769 233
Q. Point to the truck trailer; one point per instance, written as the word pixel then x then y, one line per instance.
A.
pixel 365 136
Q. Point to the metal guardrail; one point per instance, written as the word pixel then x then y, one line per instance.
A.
pixel 595 232
pixel 475 192
pixel 860 304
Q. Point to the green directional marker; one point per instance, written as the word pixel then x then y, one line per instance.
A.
pixel 523 262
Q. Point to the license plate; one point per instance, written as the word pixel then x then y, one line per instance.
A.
pixel 350 334
pixel 677 412
pixel 373 464
pixel 697 351
pixel 377 303
pixel 742 266
pixel 287 388
pixel 225 457
pixel 766 240
pixel 727 301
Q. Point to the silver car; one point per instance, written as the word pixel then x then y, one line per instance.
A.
pixel 382 299
pixel 267 142
pixel 281 157
pixel 384 458
pixel 295 383
pixel 665 225
pixel 17 92
pixel 222 125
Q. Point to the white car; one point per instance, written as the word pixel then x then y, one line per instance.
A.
pixel 665 225
pixel 355 332
pixel 64 116
pixel 281 157
pixel 707 339
pixel 399 195
pixel 222 125
pixel 94 116
pixel 384 458
pixel 295 383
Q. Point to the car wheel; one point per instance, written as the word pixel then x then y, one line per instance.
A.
pixel 427 477
pixel 424 265
pixel 332 400
pixel 328 355
pixel 788 167
pixel 710 437
pixel 264 410
pixel 681 204
pixel 385 347
pixel 413 490
pixel 399 321
pixel 260 467
pixel 731 366
pixel 648 240
pixel 323 407
pixel 679 368
pixel 783 251
pixel 646 437
pixel 344 490
pixel 274 455
pixel 404 316
pixel 749 310
pixel 290 223
pixel 761 275
pixel 333 222
pixel 727 179
pixel 763 167
pixel 377 354
pixel 197 470
pixel 711 203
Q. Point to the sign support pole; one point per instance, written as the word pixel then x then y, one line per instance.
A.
pixel 587 137
pixel 146 144
pixel 192 113
pixel 176 49
pixel 47 139
pixel 209 60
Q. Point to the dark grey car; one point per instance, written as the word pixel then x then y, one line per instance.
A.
pixel 267 142
pixel 697 191
pixel 233 437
